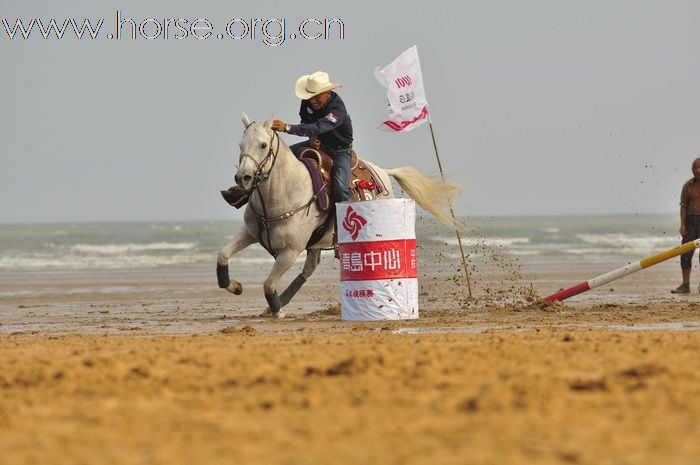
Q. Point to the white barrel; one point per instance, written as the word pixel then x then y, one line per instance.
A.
pixel 378 262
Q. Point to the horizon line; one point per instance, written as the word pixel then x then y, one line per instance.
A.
pixel 234 220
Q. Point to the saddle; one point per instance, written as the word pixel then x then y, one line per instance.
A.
pixel 363 182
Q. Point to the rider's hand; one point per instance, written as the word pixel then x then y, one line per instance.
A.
pixel 278 125
pixel 315 142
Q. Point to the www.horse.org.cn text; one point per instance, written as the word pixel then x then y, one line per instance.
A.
pixel 272 32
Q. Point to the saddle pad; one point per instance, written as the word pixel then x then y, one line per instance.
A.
pixel 317 183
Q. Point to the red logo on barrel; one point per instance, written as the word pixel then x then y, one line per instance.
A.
pixel 353 223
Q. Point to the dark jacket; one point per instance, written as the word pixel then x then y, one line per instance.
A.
pixel 331 123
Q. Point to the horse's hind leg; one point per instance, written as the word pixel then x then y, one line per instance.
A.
pixel 313 257
pixel 284 261
pixel 240 242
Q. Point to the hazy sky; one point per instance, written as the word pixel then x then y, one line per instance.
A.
pixel 539 107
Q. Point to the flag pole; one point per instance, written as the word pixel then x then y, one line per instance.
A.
pixel 452 212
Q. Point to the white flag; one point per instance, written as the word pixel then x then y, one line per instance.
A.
pixel 403 80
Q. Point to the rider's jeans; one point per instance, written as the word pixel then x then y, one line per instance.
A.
pixel 342 158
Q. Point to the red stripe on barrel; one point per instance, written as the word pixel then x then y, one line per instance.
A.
pixel 366 261
pixel 566 293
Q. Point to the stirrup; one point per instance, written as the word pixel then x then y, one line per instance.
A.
pixel 336 249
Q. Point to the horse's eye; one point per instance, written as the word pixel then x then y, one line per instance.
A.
pixel 263 145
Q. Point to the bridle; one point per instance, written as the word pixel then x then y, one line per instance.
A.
pixel 262 176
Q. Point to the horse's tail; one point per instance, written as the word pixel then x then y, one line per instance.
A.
pixel 435 196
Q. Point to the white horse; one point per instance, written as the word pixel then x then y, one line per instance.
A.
pixel 282 213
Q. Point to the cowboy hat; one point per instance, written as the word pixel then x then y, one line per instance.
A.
pixel 310 85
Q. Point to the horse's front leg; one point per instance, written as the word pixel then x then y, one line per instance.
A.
pixel 240 242
pixel 285 259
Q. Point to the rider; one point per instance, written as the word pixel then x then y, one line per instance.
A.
pixel 323 116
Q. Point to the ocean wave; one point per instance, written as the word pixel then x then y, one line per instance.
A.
pixel 580 244
pixel 526 253
pixel 484 242
pixel 114 262
pixel 587 251
pixel 20 293
pixel 255 260
pixel 79 262
pixel 101 290
pixel 625 241
pixel 119 249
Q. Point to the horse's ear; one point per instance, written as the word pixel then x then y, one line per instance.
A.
pixel 268 123
pixel 245 119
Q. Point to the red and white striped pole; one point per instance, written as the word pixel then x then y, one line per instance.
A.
pixel 624 271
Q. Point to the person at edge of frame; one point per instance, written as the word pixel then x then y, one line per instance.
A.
pixel 690 224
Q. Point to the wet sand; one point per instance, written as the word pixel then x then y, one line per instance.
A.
pixel 361 396
pixel 159 366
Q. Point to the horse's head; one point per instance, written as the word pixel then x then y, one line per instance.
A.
pixel 255 151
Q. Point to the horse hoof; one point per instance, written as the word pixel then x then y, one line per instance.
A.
pixel 235 288
pixel 275 315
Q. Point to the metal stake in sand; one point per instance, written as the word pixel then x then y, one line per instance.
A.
pixel 624 271
pixel 452 212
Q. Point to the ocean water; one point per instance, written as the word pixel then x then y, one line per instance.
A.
pixel 110 276
pixel 555 238
pixel 113 246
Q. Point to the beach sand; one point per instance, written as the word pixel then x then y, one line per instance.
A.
pixel 160 366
